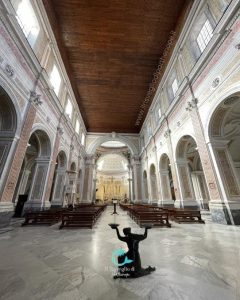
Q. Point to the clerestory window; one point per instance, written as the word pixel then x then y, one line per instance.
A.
pixel 27 19
pixel 205 35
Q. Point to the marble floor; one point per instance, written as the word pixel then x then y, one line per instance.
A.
pixel 193 261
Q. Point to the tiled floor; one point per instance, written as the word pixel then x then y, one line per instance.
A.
pixel 193 261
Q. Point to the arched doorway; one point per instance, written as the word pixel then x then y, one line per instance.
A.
pixel 56 196
pixel 153 182
pixel 33 175
pixel 8 126
pixel 168 191
pixel 192 180
pixel 224 135
pixel 145 187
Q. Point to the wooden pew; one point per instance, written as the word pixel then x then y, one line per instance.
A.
pixel 153 218
pixel 147 214
pixel 82 216
pixel 186 216
pixel 41 217
pixel 78 219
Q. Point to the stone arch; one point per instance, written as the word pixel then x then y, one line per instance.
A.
pixel 34 171
pixel 46 134
pixel 191 177
pixel 91 149
pixel 8 90
pixel 166 179
pixel 153 182
pixel 224 136
pixel 8 127
pixel 145 187
pixel 56 195
pixel 228 93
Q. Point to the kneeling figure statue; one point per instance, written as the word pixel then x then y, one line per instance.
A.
pixel 133 268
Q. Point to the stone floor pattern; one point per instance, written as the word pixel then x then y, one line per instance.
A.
pixel 193 261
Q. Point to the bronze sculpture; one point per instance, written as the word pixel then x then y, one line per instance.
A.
pixel 132 268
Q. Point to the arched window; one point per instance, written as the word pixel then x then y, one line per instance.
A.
pixel 28 21
pixel 204 35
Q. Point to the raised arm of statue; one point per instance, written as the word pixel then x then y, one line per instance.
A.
pixel 121 238
pixel 140 237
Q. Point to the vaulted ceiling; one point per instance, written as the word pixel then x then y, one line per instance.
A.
pixel 111 49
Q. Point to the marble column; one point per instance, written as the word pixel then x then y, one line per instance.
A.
pixel 227 211
pixel 186 187
pixel 58 196
pixel 137 179
pixel 52 166
pixel 219 210
pixel 159 192
pixel 35 198
pixel 88 179
pixel 176 183
pixel 165 188
pixel 200 188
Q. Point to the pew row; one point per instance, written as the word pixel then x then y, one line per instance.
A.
pixel 144 213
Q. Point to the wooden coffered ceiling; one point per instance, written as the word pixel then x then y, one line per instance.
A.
pixel 111 49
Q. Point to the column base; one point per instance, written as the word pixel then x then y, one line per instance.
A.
pixel 234 207
pixel 32 206
pixel 46 205
pixel 191 204
pixel 220 213
pixel 166 203
pixel 85 201
pixel 6 207
pixel 178 204
pixel 56 204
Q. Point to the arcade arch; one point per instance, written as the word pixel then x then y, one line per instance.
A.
pixel 166 179
pixel 8 127
pixel 224 136
pixel 192 180
pixel 33 175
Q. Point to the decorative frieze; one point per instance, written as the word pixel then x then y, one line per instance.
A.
pixel 35 98
pixel 237 46
pixel 191 104
pixel 9 70
pixel 167 133
pixel 215 82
